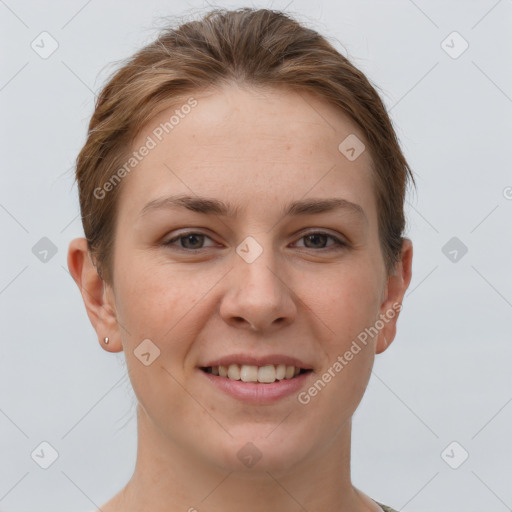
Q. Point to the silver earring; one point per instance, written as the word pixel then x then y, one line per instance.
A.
pixel 106 340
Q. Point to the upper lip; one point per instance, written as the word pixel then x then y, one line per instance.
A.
pixel 251 359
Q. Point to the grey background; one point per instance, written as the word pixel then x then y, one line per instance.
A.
pixel 447 375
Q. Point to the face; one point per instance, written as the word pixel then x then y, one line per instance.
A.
pixel 257 276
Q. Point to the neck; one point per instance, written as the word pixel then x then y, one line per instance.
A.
pixel 168 479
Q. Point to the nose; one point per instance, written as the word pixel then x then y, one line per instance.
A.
pixel 258 296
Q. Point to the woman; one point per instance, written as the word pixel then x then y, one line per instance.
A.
pixel 242 192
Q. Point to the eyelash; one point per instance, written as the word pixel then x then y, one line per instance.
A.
pixel 339 244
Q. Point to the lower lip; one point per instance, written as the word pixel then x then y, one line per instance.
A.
pixel 255 392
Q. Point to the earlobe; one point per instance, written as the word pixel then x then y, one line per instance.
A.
pixel 99 304
pixel 397 285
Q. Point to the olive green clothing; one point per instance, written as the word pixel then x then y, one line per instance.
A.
pixel 385 508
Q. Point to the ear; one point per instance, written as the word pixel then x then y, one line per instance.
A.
pixel 97 295
pixel 396 287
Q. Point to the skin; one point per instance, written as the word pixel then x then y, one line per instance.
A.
pixel 298 298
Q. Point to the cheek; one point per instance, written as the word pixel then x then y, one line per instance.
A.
pixel 158 300
pixel 346 300
pixel 154 302
pixel 350 305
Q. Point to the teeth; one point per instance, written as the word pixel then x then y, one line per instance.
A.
pixel 280 371
pixel 234 372
pixel 267 373
pixel 250 373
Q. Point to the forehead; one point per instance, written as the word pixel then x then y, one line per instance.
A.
pixel 242 143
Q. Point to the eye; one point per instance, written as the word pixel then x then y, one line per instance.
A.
pixel 318 240
pixel 191 240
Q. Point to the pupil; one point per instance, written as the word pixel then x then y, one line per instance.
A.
pixel 322 237
pixel 187 238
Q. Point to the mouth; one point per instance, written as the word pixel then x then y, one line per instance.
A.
pixel 267 374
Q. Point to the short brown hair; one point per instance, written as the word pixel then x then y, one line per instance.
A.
pixel 256 47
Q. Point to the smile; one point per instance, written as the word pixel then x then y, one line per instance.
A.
pixel 266 374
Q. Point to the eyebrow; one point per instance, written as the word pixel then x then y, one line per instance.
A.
pixel 206 205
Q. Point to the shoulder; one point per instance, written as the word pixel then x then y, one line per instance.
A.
pixel 385 507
